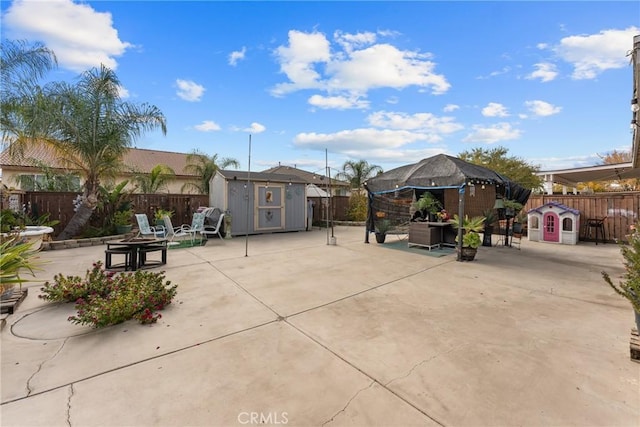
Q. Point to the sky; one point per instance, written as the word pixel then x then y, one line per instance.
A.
pixel 309 83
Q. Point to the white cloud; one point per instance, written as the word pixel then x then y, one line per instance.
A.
pixel 492 134
pixel 450 107
pixel 432 127
pixel 545 71
pixel 349 42
pixel 360 66
pixel 123 93
pixel 593 54
pixel 337 102
pixel 255 128
pixel 236 56
pixel 298 58
pixel 80 37
pixel 494 109
pixel 189 90
pixel 542 108
pixel 357 139
pixel 207 126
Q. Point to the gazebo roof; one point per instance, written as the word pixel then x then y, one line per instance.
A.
pixel 440 171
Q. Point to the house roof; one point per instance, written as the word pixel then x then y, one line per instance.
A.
pixel 308 177
pixel 138 159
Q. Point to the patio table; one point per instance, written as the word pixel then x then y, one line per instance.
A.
pixel 138 247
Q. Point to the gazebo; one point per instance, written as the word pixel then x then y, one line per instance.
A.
pixel 460 187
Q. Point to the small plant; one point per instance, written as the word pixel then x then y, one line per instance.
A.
pixel 629 287
pixel 427 202
pixel 489 217
pixel 383 226
pixel 470 229
pixel 122 217
pixel 159 214
pixel 104 298
pixel 16 257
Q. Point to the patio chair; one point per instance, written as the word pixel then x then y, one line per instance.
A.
pixel 209 230
pixel 145 230
pixel 197 226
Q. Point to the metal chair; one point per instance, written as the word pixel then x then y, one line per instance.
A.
pixel 146 230
pixel 208 230
pixel 197 226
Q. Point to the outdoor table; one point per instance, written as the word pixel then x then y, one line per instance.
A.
pixel 596 224
pixel 137 246
pixel 442 225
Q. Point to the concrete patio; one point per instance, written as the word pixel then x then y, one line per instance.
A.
pixel 308 334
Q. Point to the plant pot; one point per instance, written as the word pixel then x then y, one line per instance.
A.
pixel 380 237
pixel 123 229
pixel 486 238
pixel 467 254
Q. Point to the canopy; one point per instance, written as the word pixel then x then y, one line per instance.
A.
pixel 440 171
pixel 315 191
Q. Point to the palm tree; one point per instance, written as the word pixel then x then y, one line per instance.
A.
pixel 21 66
pixel 357 172
pixel 155 180
pixel 91 128
pixel 205 167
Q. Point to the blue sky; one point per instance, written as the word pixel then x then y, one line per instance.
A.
pixel 387 82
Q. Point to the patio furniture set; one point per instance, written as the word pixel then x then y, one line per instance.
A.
pixel 158 238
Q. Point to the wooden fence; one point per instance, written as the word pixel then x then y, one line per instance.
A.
pixel 620 209
pixel 339 205
pixel 60 206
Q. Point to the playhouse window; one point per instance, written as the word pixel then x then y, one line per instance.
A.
pixel 567 224
pixel 534 222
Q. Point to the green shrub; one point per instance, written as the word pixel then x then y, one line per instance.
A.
pixel 104 298
pixel 357 210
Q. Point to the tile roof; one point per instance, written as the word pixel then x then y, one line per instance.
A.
pixel 140 159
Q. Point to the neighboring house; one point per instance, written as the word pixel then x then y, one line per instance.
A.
pixel 137 159
pixel 338 188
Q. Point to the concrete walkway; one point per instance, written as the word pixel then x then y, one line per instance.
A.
pixel 308 334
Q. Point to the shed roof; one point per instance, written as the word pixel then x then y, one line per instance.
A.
pixel 260 176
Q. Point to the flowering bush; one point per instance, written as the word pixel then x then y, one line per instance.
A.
pixel 103 298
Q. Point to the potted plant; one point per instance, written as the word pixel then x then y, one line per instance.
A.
pixel 512 207
pixel 159 214
pixel 382 227
pixel 122 221
pixel 489 218
pixel 16 256
pixel 471 227
pixel 629 286
pixel 427 204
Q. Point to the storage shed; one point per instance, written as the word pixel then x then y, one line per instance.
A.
pixel 554 223
pixel 265 202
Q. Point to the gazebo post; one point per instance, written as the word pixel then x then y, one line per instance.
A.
pixel 460 220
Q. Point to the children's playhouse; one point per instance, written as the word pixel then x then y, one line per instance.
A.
pixel 554 223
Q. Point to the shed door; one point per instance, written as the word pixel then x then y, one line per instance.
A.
pixel 551 232
pixel 269 214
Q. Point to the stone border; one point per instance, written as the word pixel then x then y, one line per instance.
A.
pixel 53 245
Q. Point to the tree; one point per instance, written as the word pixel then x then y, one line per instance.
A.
pixel 155 180
pixel 90 128
pixel 21 66
pixel 358 172
pixel 515 168
pixel 204 167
